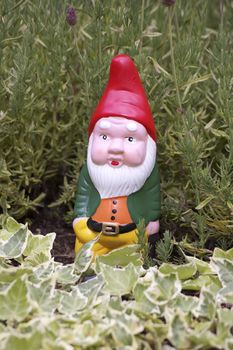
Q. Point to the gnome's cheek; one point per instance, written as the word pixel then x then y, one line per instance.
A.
pixel 135 157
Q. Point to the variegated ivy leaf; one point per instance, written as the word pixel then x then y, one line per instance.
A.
pixel 207 339
pixel 132 322
pixel 19 341
pixel 71 303
pixel 91 288
pixel 178 332
pixel 185 303
pixel 219 253
pixel 8 275
pixel 57 344
pixel 84 257
pixel 206 307
pixel 90 334
pixel 203 267
pixel 120 257
pixel 38 248
pixel 122 335
pixel 15 245
pixel 65 274
pixel 229 344
pixel 198 282
pixel 10 228
pixel 225 316
pixel 224 270
pixel 44 295
pixel 164 288
pixel 143 303
pixel 184 271
pixel 14 301
pixel 119 281
pixel 43 271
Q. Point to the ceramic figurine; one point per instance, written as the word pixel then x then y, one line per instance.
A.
pixel 119 184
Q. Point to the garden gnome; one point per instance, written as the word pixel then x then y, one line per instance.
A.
pixel 119 185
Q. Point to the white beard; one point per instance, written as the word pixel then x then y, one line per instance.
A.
pixel 115 182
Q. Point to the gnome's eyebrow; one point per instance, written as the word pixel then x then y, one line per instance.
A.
pixel 132 126
pixel 104 124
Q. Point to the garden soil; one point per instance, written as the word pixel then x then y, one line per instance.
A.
pixel 49 221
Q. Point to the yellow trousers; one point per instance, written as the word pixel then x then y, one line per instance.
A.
pixel 106 243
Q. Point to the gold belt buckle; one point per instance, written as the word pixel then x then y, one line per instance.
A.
pixel 110 228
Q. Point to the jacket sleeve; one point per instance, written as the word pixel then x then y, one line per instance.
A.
pixel 87 197
pixel 145 203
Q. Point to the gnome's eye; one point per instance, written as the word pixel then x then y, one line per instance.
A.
pixel 104 137
pixel 130 139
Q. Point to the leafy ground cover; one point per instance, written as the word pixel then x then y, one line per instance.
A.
pixel 50 306
pixel 53 74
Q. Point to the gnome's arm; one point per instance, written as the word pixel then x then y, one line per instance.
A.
pixel 145 204
pixel 87 197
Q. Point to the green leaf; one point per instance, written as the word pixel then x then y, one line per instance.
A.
pixel 8 275
pixel 197 283
pixel 204 202
pixel 184 271
pixel 43 295
pixel 39 244
pixel 10 228
pixel 119 281
pixel 122 335
pixel 219 253
pixel 143 303
pixel 202 266
pixel 224 270
pixel 12 225
pixel 120 257
pixel 89 334
pixel 19 341
pixel 15 245
pixel 36 259
pixel 14 301
pixel 225 316
pixel 206 306
pixel 84 257
pixel 91 288
pixel 72 302
pixel 65 274
pixel 185 303
pixel 163 289
pixel 178 332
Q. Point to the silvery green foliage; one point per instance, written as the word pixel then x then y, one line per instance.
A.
pixel 46 305
pixel 53 75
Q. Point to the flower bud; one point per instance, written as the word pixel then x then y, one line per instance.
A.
pixel 71 18
pixel 168 2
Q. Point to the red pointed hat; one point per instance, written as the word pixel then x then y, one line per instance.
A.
pixel 124 96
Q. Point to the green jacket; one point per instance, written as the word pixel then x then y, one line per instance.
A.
pixel 143 204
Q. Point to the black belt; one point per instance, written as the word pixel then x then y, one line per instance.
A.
pixel 109 228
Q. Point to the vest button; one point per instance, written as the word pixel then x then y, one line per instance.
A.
pixel 114 211
pixel 113 218
pixel 114 202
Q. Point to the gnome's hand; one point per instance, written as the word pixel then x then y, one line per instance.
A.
pixel 153 227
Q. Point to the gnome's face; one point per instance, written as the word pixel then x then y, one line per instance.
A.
pixel 121 156
pixel 118 141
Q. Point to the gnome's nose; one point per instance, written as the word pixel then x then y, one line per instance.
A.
pixel 116 146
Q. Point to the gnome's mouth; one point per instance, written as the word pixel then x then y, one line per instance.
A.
pixel 115 163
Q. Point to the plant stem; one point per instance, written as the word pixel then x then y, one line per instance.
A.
pixel 141 30
pixel 171 12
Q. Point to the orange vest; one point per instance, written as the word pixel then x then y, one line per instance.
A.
pixel 113 210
